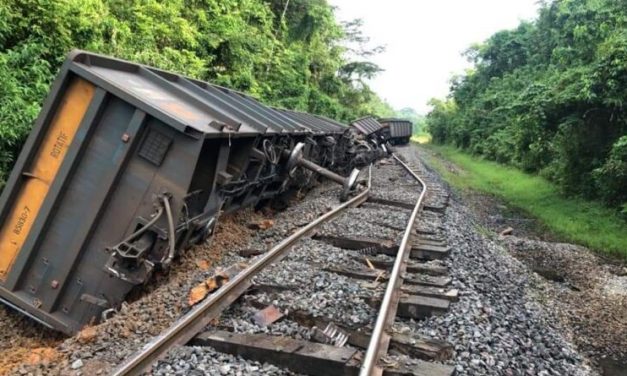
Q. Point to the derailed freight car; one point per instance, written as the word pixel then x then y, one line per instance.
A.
pixel 127 165
pixel 399 130
pixel 375 133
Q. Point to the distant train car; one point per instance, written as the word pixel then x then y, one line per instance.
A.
pixel 372 130
pixel 127 166
pixel 399 130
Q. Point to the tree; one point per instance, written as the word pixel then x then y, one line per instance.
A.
pixel 548 97
pixel 287 53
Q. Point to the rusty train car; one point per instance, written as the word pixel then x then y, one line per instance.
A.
pixel 128 165
pixel 399 130
pixel 384 132
pixel 376 134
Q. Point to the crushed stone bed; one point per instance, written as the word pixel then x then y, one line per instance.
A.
pixel 497 327
pixel 500 326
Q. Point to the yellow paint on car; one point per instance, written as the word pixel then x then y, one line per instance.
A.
pixel 43 169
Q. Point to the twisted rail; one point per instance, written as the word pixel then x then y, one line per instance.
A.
pixel 199 317
pixel 379 342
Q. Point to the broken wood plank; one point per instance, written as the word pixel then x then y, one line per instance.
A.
pixel 426 280
pixel 384 246
pixel 432 292
pixel 431 238
pixel 429 252
pixel 355 242
pixel 306 357
pixel 421 231
pixel 267 288
pixel 412 266
pixel 298 355
pixel 439 243
pixel 409 278
pixel 394 203
pixel 435 208
pixel 416 306
pixel 418 347
pixel 421 348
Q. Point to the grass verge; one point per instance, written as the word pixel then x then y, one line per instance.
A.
pixel 421 138
pixel 575 220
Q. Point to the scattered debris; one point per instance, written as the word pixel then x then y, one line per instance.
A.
pixel 263 224
pixel 507 231
pixel 251 252
pixel 87 335
pixel 203 265
pixel 42 354
pixel 331 335
pixel 268 315
pixel 199 292
pixel 369 263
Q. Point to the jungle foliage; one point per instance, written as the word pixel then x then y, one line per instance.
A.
pixel 288 53
pixel 548 97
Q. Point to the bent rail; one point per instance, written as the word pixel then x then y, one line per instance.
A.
pixel 378 343
pixel 194 321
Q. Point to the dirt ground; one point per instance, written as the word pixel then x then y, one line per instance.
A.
pixel 25 343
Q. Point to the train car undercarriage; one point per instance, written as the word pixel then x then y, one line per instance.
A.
pixel 128 165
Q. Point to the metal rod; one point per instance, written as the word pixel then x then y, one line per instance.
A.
pixel 171 231
pixel 374 347
pixel 321 170
pixel 195 320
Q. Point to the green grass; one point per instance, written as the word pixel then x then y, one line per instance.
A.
pixel 573 219
pixel 421 138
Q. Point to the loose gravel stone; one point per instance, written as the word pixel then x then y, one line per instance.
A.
pixel 77 364
pixel 496 327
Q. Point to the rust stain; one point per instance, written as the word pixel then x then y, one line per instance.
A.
pixel 181 111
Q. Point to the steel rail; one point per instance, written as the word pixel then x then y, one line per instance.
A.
pixel 389 305
pixel 198 318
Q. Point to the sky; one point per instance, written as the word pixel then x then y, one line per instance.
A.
pixel 424 40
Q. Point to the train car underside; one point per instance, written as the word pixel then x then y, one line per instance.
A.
pixel 127 165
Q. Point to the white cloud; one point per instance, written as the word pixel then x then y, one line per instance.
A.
pixel 424 40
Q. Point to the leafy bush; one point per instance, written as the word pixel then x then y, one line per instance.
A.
pixel 611 178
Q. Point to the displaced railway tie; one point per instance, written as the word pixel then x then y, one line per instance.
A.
pixel 414 289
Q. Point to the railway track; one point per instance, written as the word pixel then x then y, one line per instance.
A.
pixel 380 272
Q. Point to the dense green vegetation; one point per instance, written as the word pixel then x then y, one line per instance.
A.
pixel 572 219
pixel 417 119
pixel 288 53
pixel 549 97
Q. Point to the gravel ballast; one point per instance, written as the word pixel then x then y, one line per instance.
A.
pixel 499 326
pixel 313 289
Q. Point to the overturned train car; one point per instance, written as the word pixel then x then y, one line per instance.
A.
pixel 399 131
pixel 373 133
pixel 128 165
